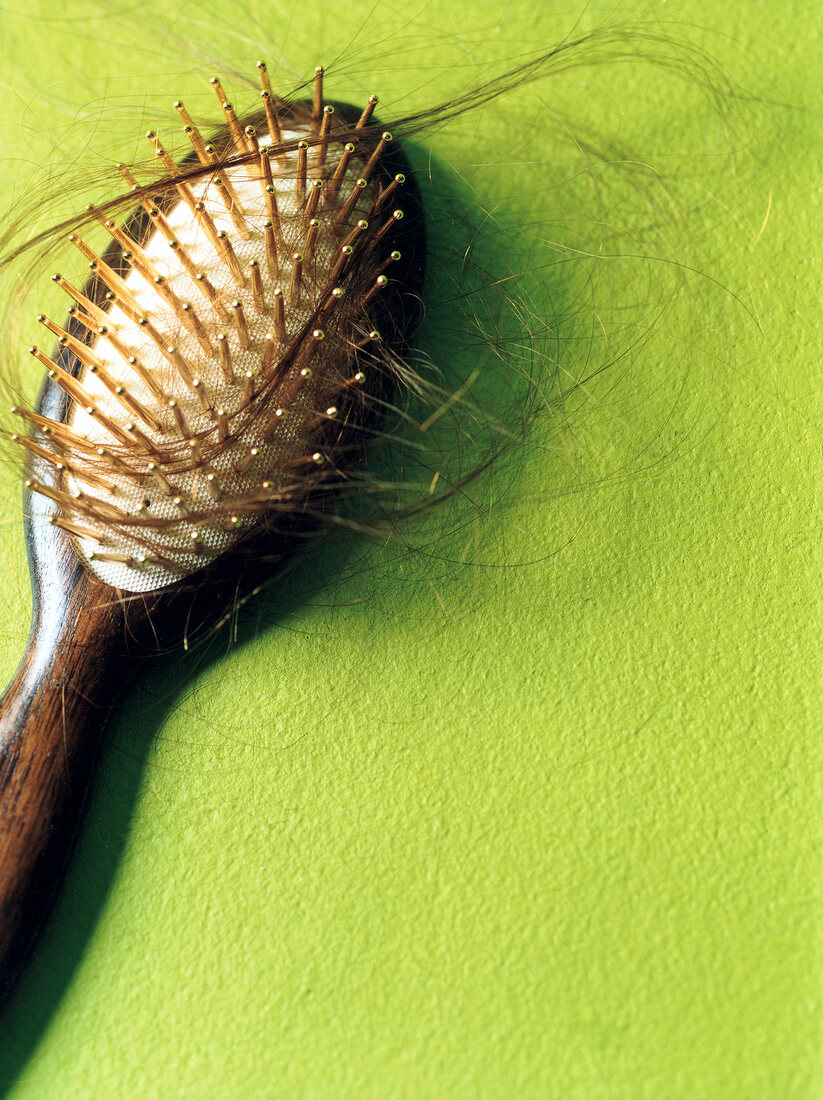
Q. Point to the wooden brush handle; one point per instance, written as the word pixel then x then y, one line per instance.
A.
pixel 51 720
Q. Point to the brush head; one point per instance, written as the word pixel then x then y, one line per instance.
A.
pixel 223 368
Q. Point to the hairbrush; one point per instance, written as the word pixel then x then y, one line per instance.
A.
pixel 211 394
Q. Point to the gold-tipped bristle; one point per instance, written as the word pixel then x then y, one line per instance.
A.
pixel 99 510
pixel 313 201
pixel 112 280
pixel 354 381
pixel 248 387
pixel 179 419
pixel 119 467
pixel 208 289
pixel 233 123
pixel 112 557
pixel 310 240
pixel 258 294
pixel 90 309
pixel 251 140
pixel 240 323
pixel 271 250
pixel 196 453
pixel 195 137
pixel 266 362
pixel 59 496
pixel 75 346
pixel 54 457
pixel 379 150
pixel 235 208
pixel 132 252
pixel 224 246
pixel 296 278
pixel 392 258
pixel 82 318
pixel 389 224
pixel 341 263
pixel 201 392
pixel 176 359
pixel 323 139
pixel 130 403
pixel 125 172
pixel 368 111
pixel 279 315
pixel 317 102
pixel 377 286
pixel 269 192
pixel 213 487
pixel 264 76
pixel 348 206
pixel 194 324
pixel 155 470
pixel 387 193
pixel 133 363
pixel 244 464
pixel 292 386
pixel 79 529
pixel 240 142
pixel 59 461
pixel 218 88
pixel 158 218
pixel 55 431
pixel 161 153
pixel 67 382
pixel 357 231
pixel 206 222
pixel 141 439
pixel 332 301
pixel 273 123
pixel 225 356
pixel 302 167
pixel 339 172
pixel 222 425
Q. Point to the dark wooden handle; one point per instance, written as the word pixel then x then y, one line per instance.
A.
pixel 51 720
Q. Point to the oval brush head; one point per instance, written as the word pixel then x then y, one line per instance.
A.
pixel 212 392
pixel 224 360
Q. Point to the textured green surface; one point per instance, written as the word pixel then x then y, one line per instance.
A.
pixel 547 823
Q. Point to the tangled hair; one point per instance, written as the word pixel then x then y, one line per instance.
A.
pixel 445 423
pixel 387 424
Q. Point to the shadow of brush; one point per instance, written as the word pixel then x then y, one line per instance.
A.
pixel 491 379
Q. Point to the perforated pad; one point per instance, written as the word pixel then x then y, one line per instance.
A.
pixel 179 548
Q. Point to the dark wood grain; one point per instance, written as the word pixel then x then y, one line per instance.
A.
pixel 52 718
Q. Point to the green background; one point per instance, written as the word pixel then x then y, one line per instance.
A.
pixel 529 807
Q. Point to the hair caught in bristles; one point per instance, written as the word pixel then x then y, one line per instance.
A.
pixel 228 358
